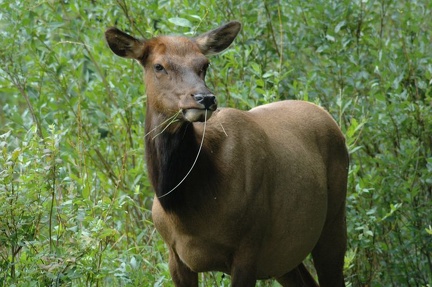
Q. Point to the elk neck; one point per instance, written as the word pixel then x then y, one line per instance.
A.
pixel 170 153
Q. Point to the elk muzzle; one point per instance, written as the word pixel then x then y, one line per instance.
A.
pixel 204 102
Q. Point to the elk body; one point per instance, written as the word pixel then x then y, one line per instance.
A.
pixel 268 186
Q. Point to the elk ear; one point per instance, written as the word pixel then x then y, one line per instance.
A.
pixel 217 40
pixel 124 45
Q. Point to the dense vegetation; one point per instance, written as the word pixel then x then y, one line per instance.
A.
pixel 74 195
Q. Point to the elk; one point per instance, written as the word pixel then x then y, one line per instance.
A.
pixel 247 193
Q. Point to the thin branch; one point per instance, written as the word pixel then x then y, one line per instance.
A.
pixel 272 33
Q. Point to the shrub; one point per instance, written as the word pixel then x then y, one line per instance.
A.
pixel 74 194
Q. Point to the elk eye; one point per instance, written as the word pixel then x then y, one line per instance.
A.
pixel 159 68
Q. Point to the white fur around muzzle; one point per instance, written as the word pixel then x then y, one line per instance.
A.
pixel 196 115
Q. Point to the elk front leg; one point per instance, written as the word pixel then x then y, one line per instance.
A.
pixel 181 274
pixel 243 271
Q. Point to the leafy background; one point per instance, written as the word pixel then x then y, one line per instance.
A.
pixel 74 196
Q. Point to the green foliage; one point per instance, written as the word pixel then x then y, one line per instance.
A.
pixel 74 196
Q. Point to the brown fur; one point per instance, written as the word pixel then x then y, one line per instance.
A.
pixel 269 185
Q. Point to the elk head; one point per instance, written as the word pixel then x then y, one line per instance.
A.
pixel 175 69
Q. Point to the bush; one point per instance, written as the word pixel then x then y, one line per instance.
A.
pixel 74 195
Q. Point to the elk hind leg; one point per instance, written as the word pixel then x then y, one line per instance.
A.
pixel 328 255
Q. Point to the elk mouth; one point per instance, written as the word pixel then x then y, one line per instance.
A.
pixel 197 115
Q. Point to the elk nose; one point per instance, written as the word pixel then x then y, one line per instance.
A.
pixel 208 100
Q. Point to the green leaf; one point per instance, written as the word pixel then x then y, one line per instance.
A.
pixel 182 22
pixel 256 68
pixel 15 154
